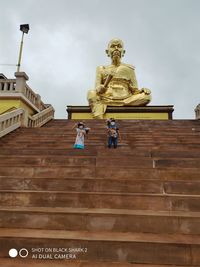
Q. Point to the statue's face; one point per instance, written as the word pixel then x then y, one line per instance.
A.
pixel 115 48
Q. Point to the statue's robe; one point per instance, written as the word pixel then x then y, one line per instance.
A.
pixel 122 89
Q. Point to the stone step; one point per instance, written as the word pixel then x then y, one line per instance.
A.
pixel 139 173
pixel 127 131
pixel 113 172
pixel 70 151
pixel 140 248
pixel 102 185
pixel 143 128
pixel 60 146
pixel 63 135
pixel 48 172
pixel 124 151
pixel 136 201
pixel 70 263
pixel 45 151
pixel 101 144
pixel 101 141
pixel 147 130
pixel 170 147
pixel 177 163
pixel 59 172
pixel 76 161
pixel 47 161
pixel 179 134
pixel 138 135
pixel 188 129
pixel 95 133
pixel 148 163
pixel 181 187
pixel 122 147
pixel 113 220
pixel 101 136
pixel 176 154
pixel 103 147
pixel 89 143
pixel 91 185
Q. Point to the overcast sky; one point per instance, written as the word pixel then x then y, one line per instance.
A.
pixel 68 38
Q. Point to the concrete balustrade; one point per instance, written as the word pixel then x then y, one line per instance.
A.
pixel 11 121
pixel 18 118
pixel 42 117
pixel 29 110
pixel 7 85
pixel 19 85
pixel 35 99
pixel 22 87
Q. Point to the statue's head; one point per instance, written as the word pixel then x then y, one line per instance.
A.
pixel 115 48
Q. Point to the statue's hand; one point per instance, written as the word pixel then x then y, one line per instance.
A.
pixel 134 91
pixel 101 89
pixel 146 91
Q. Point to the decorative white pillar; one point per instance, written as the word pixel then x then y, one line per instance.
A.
pixel 21 78
pixel 24 119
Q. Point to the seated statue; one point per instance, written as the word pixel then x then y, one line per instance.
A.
pixel 116 84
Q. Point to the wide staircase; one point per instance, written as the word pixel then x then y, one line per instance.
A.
pixel 137 205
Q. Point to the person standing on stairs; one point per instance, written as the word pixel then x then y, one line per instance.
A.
pixel 113 133
pixel 87 129
pixel 80 136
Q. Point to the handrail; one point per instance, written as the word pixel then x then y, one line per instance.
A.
pixel 7 85
pixel 11 121
pixel 42 117
pixel 18 88
pixel 34 98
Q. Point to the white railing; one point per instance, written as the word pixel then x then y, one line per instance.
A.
pixel 7 85
pixel 18 88
pixel 34 98
pixel 42 117
pixel 11 121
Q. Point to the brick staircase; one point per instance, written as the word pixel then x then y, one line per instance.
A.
pixel 138 205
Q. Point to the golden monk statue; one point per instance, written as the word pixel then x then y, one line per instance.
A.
pixel 116 84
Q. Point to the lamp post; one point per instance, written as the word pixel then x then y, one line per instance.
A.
pixel 24 28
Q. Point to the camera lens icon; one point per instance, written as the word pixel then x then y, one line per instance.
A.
pixel 13 253
pixel 23 253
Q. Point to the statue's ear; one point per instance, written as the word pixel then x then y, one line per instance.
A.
pixel 107 52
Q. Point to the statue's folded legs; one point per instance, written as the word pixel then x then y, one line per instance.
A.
pixel 97 107
pixel 140 99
